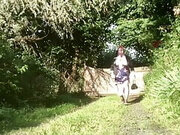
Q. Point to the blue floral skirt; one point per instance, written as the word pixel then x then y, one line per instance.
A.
pixel 122 75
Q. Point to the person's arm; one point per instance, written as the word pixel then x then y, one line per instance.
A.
pixel 116 61
pixel 124 61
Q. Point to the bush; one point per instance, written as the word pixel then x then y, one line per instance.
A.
pixel 9 88
pixel 24 77
pixel 163 83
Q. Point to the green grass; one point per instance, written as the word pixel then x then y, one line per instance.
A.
pixel 163 83
pixel 162 115
pixel 101 117
pixel 32 116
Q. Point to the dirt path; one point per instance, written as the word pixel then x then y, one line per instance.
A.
pixel 136 121
pixel 139 122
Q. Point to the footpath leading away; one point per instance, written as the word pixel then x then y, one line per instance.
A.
pixel 137 121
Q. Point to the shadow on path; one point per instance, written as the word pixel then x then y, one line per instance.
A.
pixel 135 99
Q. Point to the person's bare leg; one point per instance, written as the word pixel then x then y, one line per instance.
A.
pixel 120 91
pixel 126 91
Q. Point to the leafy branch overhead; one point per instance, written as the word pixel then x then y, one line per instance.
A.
pixel 60 15
pixel 62 34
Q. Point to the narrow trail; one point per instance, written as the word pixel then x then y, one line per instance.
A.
pixel 137 121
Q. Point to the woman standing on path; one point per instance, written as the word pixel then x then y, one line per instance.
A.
pixel 122 75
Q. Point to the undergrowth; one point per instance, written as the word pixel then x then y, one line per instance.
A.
pixel 163 82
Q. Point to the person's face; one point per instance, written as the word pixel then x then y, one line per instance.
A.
pixel 120 51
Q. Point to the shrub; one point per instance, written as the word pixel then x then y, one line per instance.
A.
pixel 163 83
pixel 24 77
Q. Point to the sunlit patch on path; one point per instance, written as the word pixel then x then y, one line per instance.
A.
pixel 136 121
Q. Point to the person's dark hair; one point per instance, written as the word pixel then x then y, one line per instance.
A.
pixel 120 47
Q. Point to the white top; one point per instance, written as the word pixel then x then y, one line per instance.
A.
pixel 121 61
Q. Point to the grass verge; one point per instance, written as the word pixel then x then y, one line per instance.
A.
pixel 162 116
pixel 101 117
pixel 34 115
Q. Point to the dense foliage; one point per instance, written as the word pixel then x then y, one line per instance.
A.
pixel 63 33
pixel 46 43
pixel 141 24
pixel 23 77
pixel 163 83
pixel 50 39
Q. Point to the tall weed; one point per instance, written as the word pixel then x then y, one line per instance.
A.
pixel 163 83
